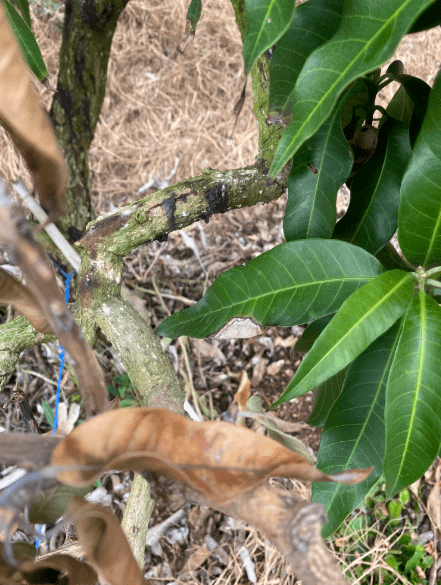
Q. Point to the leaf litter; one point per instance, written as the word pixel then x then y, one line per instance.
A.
pixel 138 140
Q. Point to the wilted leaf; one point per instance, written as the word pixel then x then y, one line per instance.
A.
pixel 104 543
pixel 220 460
pixel 13 292
pixel 33 261
pixel 29 125
pixel 61 568
pixel 291 443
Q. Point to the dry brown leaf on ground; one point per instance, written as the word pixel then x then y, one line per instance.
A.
pixel 218 459
pixel 29 125
pixel 34 264
pixel 13 292
pixel 104 543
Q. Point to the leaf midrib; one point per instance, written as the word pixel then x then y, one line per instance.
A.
pixel 349 331
pixel 417 385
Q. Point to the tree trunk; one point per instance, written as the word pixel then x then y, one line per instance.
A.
pixel 87 37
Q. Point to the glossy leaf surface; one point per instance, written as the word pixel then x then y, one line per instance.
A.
pixel 419 218
pixel 369 32
pixel 418 92
pixel 26 39
pixel 311 333
pixel 293 283
pixel 23 7
pixel 194 13
pixel 325 396
pixel 413 412
pixel 319 168
pixel 267 20
pixel 354 430
pixel 372 217
pixel 428 19
pixel 366 315
pixel 390 258
pixel 313 23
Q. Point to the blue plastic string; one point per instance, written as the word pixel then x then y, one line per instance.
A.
pixel 68 278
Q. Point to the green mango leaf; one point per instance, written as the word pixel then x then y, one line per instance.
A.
pixel 325 396
pixel 267 20
pixel 27 42
pixel 311 333
pixel 291 284
pixel 413 404
pixel 366 38
pixel 313 23
pixel 51 504
pixel 312 190
pixel 372 217
pixel 356 107
pixel 428 19
pixel 23 7
pixel 391 260
pixel 419 93
pixel 400 107
pixel 363 317
pixel 353 435
pixel 419 217
pixel 194 14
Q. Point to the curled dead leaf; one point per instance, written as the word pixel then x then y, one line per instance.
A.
pixel 219 460
pixel 34 264
pixel 104 543
pixel 29 125
pixel 14 293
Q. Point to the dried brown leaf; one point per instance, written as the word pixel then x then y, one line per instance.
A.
pixel 33 261
pixel 73 571
pixel 29 125
pixel 217 459
pixel 104 543
pixel 13 292
pixel 243 392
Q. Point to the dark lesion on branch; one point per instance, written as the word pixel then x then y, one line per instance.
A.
pixel 179 206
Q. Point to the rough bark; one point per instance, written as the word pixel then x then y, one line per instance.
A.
pixel 87 37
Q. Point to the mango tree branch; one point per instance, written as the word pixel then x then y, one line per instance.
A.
pixel 141 354
pixel 178 206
